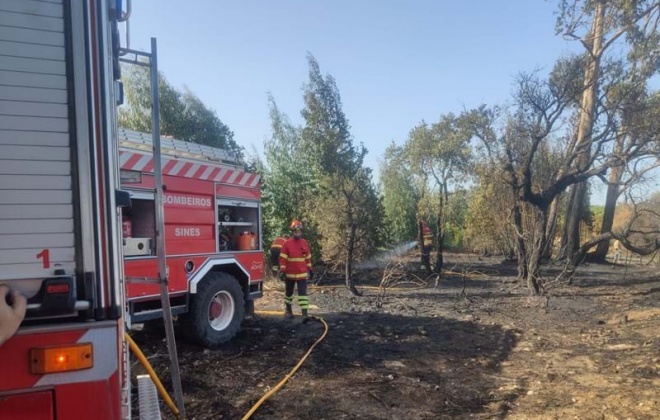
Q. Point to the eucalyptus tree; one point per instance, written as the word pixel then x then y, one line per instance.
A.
pixel 603 27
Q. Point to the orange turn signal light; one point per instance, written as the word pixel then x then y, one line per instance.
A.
pixel 61 358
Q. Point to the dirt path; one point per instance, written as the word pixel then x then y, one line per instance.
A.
pixel 436 353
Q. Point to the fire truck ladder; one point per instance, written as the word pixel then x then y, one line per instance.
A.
pixel 177 148
pixel 150 60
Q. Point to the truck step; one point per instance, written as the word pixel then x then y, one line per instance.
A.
pixel 150 314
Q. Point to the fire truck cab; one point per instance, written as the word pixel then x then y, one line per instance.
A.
pixel 212 232
pixel 59 239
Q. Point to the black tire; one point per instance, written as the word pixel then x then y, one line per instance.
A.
pixel 203 324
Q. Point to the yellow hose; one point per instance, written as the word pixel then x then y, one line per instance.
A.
pixel 269 313
pixel 147 366
pixel 293 371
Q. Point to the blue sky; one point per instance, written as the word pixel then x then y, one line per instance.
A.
pixel 396 62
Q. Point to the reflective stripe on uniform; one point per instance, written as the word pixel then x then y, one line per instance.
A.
pixel 428 240
pixel 303 302
pixel 296 276
pixel 278 242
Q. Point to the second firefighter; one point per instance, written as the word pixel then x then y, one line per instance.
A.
pixel 296 269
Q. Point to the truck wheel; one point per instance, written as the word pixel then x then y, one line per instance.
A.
pixel 216 311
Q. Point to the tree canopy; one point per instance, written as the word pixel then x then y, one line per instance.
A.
pixel 316 172
pixel 182 114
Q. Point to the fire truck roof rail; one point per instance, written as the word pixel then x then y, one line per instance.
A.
pixel 173 147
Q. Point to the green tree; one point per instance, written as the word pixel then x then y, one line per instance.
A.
pixel 439 154
pixel 400 196
pixel 182 114
pixel 346 206
pixel 456 216
pixel 287 179
pixel 489 204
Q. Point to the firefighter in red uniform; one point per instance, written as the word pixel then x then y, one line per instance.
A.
pixel 275 250
pixel 12 311
pixel 426 245
pixel 296 269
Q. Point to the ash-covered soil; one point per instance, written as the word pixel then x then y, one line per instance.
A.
pixel 474 346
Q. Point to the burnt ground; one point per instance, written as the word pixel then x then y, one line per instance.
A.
pixel 475 346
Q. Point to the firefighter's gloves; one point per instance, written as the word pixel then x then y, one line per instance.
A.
pixel 281 276
pixel 12 311
pixel 311 274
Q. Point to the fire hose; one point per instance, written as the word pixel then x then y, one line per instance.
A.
pixel 168 400
pixel 154 377
pixel 288 376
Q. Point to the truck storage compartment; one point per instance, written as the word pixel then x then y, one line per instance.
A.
pixel 45 239
pixel 238 225
pixel 139 225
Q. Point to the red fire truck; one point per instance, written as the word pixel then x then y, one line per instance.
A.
pixel 212 231
pixel 59 239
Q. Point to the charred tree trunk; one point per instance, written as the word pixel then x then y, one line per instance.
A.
pixel 440 234
pixel 537 241
pixel 613 192
pixel 348 273
pixel 521 249
pixel 551 229
pixel 439 258
pixel 533 269
pixel 571 238
pixel 608 214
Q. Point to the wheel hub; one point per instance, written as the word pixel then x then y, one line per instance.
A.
pixel 221 310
